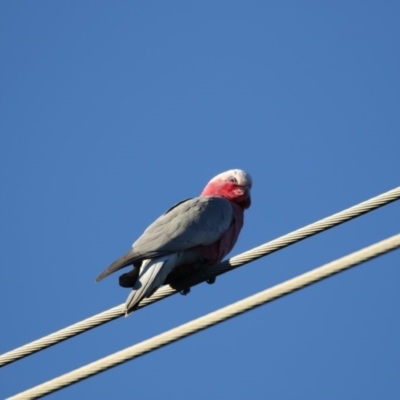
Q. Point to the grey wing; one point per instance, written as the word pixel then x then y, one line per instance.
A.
pixel 197 221
pixel 190 223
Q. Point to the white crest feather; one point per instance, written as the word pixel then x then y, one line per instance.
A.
pixel 243 178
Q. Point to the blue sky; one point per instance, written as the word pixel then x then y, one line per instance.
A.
pixel 113 112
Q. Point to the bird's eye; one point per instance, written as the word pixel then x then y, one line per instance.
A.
pixel 232 179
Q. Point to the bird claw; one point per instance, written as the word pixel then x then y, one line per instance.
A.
pixel 184 292
pixel 210 280
pixel 129 279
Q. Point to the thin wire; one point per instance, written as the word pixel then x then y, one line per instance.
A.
pixel 211 319
pixel 234 262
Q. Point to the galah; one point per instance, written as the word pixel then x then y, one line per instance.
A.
pixel 194 233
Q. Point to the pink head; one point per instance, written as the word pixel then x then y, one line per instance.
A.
pixel 233 185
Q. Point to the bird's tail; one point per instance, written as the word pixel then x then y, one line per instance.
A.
pixel 127 259
pixel 153 273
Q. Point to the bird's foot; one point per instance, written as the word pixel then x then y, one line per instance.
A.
pixel 209 279
pixel 184 292
pixel 129 279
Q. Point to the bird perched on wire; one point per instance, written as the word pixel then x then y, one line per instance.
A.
pixel 194 233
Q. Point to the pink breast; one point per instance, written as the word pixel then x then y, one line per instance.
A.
pixel 215 252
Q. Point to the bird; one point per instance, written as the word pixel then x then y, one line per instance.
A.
pixel 195 233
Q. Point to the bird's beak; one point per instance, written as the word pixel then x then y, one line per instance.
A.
pixel 246 190
pixel 246 196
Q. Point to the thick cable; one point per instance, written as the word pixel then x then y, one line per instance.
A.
pixel 211 319
pixel 234 262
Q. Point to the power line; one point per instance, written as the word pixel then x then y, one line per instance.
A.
pixel 234 262
pixel 211 319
